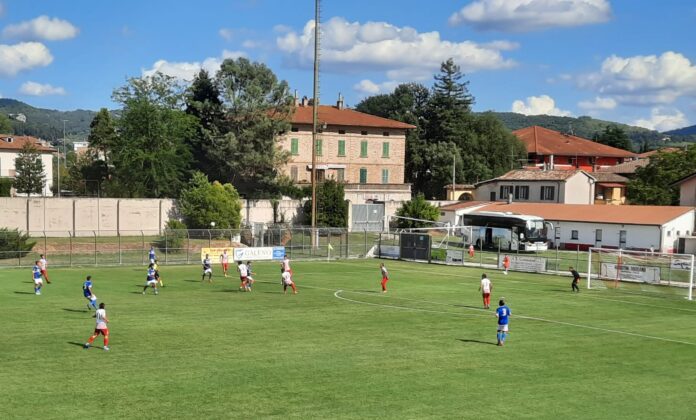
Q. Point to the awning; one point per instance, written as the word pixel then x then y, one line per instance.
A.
pixel 611 185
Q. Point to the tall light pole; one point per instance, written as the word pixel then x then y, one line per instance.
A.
pixel 62 142
pixel 315 111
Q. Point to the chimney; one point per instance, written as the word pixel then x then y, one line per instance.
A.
pixel 305 101
pixel 340 103
pixel 297 99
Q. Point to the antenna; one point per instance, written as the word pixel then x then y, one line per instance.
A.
pixel 570 129
pixel 315 112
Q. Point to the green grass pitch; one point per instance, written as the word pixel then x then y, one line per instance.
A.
pixel 341 349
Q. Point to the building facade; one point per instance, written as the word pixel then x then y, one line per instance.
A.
pixel 352 147
pixel 10 148
pixel 533 186
pixel 549 149
pixel 687 190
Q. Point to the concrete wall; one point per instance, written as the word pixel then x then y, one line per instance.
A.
pixel 261 211
pixel 579 189
pixel 681 226
pixel 687 192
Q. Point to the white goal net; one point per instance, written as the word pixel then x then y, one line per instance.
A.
pixel 641 270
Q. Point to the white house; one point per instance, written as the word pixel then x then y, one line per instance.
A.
pixel 10 148
pixel 583 226
pixel 537 186
pixel 687 190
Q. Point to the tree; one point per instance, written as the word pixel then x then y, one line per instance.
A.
pixel 202 202
pixel 417 208
pixel 5 125
pixel 332 207
pixel 614 136
pixel 102 135
pixel 150 157
pixel 257 109
pixel 30 177
pixel 203 102
pixel 652 183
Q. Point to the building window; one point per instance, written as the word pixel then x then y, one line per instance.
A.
pixel 293 173
pixel 340 174
pixel 573 161
pixel 622 238
pixel 341 131
pixel 341 147
pixel 521 192
pixel 385 149
pixel 574 234
pixel 598 235
pixel 320 144
pixel 363 175
pixel 492 197
pixel 557 232
pixel 363 149
pixel 505 191
pixel 385 176
pixel 548 193
pixel 294 129
pixel 294 147
pixel 363 133
pixel 385 133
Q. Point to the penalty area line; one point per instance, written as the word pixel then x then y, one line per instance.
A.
pixel 337 294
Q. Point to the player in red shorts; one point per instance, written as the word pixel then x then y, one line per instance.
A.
pixel 385 277
pixel 224 260
pixel 101 328
pixel 43 265
pixel 486 288
pixel 285 265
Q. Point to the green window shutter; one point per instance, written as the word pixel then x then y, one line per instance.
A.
pixel 363 175
pixel 363 149
pixel 319 146
pixel 341 147
pixel 385 176
pixel 385 149
pixel 294 147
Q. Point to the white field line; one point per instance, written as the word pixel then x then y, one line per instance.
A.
pixel 337 294
pixel 531 318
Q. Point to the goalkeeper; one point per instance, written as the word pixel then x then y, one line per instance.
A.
pixel 576 279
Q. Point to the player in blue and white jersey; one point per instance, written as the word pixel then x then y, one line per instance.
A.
pixel 89 294
pixel 503 314
pixel 151 255
pixel 151 280
pixel 36 276
pixel 207 268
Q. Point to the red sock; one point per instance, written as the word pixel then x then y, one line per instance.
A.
pixel 384 285
pixel 293 287
pixel 106 341
pixel 91 339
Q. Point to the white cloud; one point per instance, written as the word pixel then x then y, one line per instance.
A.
pixel 402 52
pixel 644 80
pixel 38 89
pixel 23 56
pixel 598 104
pixel 531 15
pixel 41 28
pixel 187 70
pixel 226 34
pixel 538 105
pixel 662 119
pixel 368 87
pixel 281 29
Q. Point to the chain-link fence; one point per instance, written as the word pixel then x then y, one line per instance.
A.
pixel 65 249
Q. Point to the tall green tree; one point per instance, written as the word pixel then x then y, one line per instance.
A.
pixel 203 202
pixel 332 207
pixel 203 102
pixel 416 213
pixel 614 136
pixel 29 171
pixel 102 135
pixel 257 110
pixel 150 157
pixel 5 124
pixel 652 183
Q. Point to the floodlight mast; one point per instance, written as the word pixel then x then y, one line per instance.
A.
pixel 315 120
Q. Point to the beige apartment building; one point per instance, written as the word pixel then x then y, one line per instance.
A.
pixel 353 147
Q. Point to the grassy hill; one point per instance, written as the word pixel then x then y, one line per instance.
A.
pixel 685 131
pixel 48 123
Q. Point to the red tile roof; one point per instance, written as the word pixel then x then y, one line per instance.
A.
pixel 589 213
pixel 18 143
pixel 331 115
pixel 626 167
pixel 663 150
pixel 542 141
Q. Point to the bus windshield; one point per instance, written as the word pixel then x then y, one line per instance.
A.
pixel 535 231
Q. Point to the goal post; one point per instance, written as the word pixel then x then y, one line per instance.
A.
pixel 644 270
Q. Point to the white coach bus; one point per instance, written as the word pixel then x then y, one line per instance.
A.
pixel 507 231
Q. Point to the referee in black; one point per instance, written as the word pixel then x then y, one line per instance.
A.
pixel 576 279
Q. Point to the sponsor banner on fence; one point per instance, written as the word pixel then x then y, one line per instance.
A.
pixel 454 256
pixel 258 254
pixel 630 272
pixel 524 263
pixel 681 263
pixel 389 251
pixel 214 253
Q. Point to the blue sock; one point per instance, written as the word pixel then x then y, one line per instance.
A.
pixel 36 289
pixel 499 336
pixel 94 304
pixel 504 335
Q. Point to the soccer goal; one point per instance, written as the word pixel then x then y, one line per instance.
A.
pixel 643 270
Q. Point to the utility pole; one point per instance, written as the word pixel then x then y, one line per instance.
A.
pixel 315 120
pixel 454 175
pixel 63 143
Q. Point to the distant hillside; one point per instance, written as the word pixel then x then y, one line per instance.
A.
pixel 48 123
pixel 686 131
pixel 586 127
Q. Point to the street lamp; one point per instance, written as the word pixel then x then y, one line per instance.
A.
pixel 63 142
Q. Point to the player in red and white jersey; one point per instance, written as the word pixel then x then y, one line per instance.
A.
pixel 285 265
pixel 243 276
pixel 286 279
pixel 224 260
pixel 385 277
pixel 486 288
pixel 100 328
pixel 43 265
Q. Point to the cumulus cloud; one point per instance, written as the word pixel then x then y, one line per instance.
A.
pixel 538 105
pixel 368 87
pixel 226 34
pixel 401 52
pixel 644 80
pixel 41 28
pixel 38 89
pixel 598 104
pixel 531 15
pixel 187 70
pixel 23 56
pixel 662 119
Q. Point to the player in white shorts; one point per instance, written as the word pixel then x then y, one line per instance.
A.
pixel 36 276
pixel 285 265
pixel 207 269
pixel 151 280
pixel 286 278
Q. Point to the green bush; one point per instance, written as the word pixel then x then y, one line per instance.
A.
pixel 174 236
pixel 14 243
pixel 6 186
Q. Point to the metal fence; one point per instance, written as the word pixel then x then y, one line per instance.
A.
pixel 108 248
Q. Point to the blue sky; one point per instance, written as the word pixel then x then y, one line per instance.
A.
pixel 625 60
